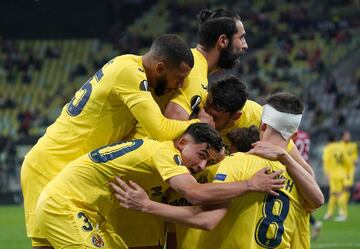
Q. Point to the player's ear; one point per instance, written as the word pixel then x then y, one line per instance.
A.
pixel 160 68
pixel 293 136
pixel 263 126
pixel 236 115
pixel 182 141
pixel 223 41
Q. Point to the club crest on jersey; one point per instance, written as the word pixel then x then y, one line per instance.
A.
pixel 144 86
pixel 195 101
pixel 177 160
pixel 97 241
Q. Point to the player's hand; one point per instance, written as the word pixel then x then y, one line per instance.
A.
pixel 263 181
pixel 267 150
pixel 205 117
pixel 130 196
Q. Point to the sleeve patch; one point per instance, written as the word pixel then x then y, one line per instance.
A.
pixel 144 86
pixel 220 177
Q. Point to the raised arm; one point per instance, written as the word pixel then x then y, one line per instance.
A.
pixel 175 111
pixel 132 196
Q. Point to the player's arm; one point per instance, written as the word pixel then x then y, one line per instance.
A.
pixel 305 183
pixel 215 193
pixel 175 111
pixel 296 155
pixel 132 196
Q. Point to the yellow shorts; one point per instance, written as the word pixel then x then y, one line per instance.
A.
pixel 336 185
pixel 138 229
pixel 32 183
pixel 67 226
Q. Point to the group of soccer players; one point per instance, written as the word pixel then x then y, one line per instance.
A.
pixel 150 122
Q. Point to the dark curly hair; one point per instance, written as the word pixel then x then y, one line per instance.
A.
pixel 229 94
pixel 243 138
pixel 204 133
pixel 214 23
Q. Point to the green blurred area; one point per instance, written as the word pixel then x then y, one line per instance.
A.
pixel 334 235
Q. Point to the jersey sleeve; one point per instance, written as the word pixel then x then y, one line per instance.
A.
pixel 167 162
pixel 133 91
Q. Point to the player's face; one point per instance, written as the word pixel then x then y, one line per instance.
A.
pixel 347 136
pixel 222 119
pixel 237 46
pixel 194 155
pixel 172 79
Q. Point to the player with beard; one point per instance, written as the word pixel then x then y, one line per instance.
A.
pixel 103 111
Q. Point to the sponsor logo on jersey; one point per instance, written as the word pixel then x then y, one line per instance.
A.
pixel 144 86
pixel 177 160
pixel 220 177
pixel 204 86
pixel 97 241
pixel 141 70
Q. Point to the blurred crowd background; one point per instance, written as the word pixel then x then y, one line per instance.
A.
pixel 48 49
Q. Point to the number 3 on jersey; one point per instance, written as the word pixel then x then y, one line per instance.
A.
pixel 82 96
pixel 270 227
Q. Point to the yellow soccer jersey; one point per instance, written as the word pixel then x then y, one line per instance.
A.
pixel 103 111
pixel 335 160
pixel 255 220
pixel 352 152
pixel 85 181
pixel 195 84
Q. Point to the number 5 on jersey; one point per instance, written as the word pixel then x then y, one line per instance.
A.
pixel 82 96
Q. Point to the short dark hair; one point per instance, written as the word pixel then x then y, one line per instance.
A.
pixel 229 94
pixel 286 102
pixel 214 23
pixel 244 137
pixel 204 133
pixel 173 50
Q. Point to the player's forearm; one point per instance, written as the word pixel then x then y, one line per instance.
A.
pixel 305 183
pixel 295 154
pixel 156 125
pixel 192 216
pixel 214 193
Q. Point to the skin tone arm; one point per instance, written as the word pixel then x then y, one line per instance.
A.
pixel 295 154
pixel 132 196
pixel 306 184
pixel 215 193
pixel 175 111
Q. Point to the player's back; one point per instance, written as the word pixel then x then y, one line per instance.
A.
pixel 255 220
pixel 97 115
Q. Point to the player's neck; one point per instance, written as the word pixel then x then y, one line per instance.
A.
pixel 275 139
pixel 211 57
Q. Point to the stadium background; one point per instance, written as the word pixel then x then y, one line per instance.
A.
pixel 49 48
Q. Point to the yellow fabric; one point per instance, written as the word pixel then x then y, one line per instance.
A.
pixel 85 181
pixel 352 152
pixel 335 161
pixel 240 227
pixel 301 237
pixel 103 111
pixel 67 226
pixel 196 83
